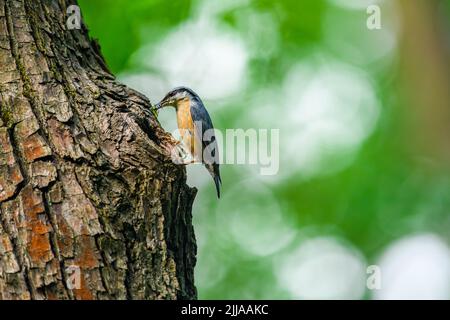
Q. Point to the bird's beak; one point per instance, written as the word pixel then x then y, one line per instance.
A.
pixel 158 106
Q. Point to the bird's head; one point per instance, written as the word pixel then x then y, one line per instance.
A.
pixel 175 96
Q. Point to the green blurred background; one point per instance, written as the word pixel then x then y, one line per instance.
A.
pixel 364 150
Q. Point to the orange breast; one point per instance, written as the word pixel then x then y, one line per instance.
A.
pixel 184 118
pixel 186 126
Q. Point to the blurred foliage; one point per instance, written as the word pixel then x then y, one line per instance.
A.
pixel 387 190
pixel 119 23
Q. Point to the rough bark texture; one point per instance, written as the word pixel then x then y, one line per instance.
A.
pixel 85 176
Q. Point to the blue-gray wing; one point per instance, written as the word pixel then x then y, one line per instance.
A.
pixel 205 131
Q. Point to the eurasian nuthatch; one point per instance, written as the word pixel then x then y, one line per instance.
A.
pixel 196 129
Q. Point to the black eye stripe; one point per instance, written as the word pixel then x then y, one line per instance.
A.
pixel 182 91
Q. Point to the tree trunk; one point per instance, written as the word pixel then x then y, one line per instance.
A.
pixel 91 206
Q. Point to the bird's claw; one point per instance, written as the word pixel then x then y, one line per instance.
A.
pixel 180 155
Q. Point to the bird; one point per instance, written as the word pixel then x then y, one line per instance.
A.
pixel 196 129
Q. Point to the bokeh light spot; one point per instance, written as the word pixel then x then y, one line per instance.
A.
pixel 322 268
pixel 330 110
pixel 415 267
pixel 254 218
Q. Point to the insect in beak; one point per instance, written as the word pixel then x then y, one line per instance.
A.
pixel 155 109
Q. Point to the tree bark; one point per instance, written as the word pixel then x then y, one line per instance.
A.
pixel 86 181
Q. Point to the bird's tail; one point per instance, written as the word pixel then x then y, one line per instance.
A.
pixel 218 183
pixel 215 173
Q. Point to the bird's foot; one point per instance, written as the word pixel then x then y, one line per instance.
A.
pixel 180 155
